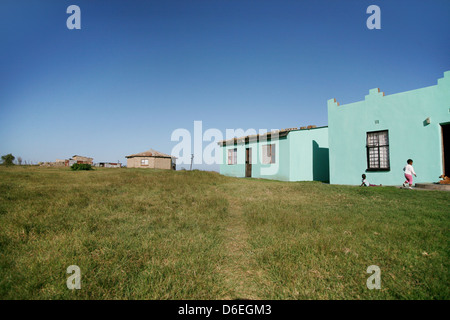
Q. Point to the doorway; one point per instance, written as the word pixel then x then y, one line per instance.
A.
pixel 446 148
pixel 248 162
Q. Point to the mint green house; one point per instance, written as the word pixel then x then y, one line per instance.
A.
pixel 376 136
pixel 288 155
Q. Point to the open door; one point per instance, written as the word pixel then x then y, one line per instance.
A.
pixel 248 162
pixel 446 148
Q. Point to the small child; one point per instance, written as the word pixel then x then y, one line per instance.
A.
pixel 409 171
pixel 366 183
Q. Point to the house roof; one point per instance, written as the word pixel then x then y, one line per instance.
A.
pixel 257 137
pixel 87 158
pixel 150 153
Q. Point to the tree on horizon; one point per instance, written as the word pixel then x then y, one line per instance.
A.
pixel 8 159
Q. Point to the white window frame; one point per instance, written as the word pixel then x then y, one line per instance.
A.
pixel 268 154
pixel 232 156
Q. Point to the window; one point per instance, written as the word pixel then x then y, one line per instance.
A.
pixel 268 153
pixel 378 150
pixel 144 162
pixel 232 156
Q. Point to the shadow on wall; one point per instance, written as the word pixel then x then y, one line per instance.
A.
pixel 321 163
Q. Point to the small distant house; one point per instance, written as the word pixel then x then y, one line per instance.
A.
pixel 377 135
pixel 295 154
pixel 151 159
pixel 79 159
pixel 109 164
pixel 60 162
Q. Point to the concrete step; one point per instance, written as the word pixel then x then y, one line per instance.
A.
pixel 433 186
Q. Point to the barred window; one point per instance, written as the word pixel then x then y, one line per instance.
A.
pixel 378 150
pixel 232 156
pixel 268 153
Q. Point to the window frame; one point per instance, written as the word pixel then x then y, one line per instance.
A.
pixel 232 156
pixel 378 147
pixel 143 162
pixel 268 153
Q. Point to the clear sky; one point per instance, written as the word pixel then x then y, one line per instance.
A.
pixel 138 70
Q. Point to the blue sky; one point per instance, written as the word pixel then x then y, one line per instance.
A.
pixel 138 70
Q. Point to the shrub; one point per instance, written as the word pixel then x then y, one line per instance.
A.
pixel 8 159
pixel 81 166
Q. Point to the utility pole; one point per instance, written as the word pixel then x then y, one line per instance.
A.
pixel 192 159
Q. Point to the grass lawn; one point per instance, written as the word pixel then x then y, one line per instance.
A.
pixel 153 234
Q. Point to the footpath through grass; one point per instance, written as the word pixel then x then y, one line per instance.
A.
pixel 154 234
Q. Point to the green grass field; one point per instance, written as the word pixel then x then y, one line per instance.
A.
pixel 149 234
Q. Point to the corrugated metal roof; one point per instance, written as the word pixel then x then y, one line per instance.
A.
pixel 256 137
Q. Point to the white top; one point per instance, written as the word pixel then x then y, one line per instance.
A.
pixel 365 182
pixel 409 169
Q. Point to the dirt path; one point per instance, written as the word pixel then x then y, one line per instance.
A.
pixel 244 279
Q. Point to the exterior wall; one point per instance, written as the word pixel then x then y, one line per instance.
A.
pixel 153 163
pixel 404 116
pixel 309 156
pixel 278 170
pixel 69 162
pixel 234 170
pixel 301 156
pixel 135 162
pixel 163 163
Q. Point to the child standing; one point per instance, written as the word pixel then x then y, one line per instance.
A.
pixel 409 171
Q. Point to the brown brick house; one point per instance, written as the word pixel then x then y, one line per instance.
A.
pixel 151 159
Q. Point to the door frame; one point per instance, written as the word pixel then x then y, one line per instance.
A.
pixel 446 171
pixel 248 162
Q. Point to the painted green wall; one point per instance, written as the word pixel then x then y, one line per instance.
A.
pixel 301 156
pixel 279 170
pixel 403 115
pixel 234 170
pixel 309 155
